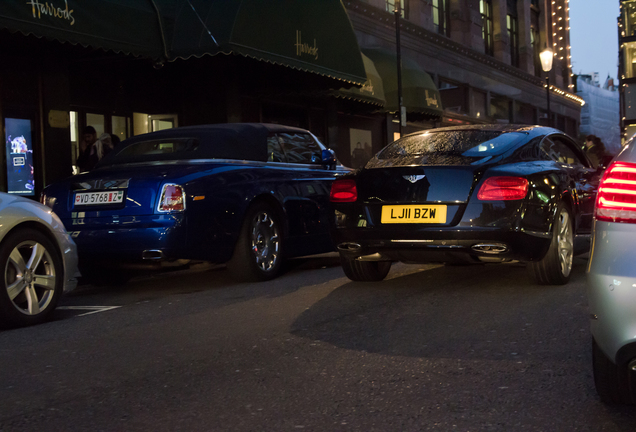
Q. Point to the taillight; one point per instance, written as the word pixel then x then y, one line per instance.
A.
pixel 343 190
pixel 503 189
pixel 616 198
pixel 172 198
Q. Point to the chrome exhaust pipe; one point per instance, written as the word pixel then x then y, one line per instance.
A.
pixel 152 254
pixel 349 247
pixel 490 248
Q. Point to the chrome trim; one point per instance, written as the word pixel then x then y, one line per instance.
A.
pixel 162 194
pixel 412 241
pixel 152 254
pixel 490 248
pixel 373 257
pixel 349 246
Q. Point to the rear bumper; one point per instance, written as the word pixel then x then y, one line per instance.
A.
pixel 443 245
pixel 98 239
pixel 611 289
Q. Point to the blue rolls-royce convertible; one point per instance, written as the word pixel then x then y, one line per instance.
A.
pixel 246 194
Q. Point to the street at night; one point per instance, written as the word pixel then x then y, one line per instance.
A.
pixel 467 348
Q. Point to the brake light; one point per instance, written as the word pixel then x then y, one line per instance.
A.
pixel 344 190
pixel 616 198
pixel 172 198
pixel 503 189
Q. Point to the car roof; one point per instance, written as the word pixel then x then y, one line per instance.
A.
pixel 533 130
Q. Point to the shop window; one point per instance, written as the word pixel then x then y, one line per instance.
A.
pixel 630 101
pixel 162 122
pixel 480 107
pixel 513 37
pixel 441 17
pixel 524 114
pixel 485 8
pixel 630 59
pixel 120 127
pixel 629 18
pixel 390 7
pixel 453 97
pixel 500 109
pixel 98 121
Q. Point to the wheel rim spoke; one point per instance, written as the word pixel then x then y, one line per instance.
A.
pixel 565 243
pixel 33 302
pixel 36 256
pixel 16 288
pixel 16 259
pixel 45 281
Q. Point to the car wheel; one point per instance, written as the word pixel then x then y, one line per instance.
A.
pixel 365 271
pixel 556 265
pixel 33 278
pixel 611 381
pixel 258 252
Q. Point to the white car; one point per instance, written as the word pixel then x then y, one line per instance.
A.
pixel 611 281
pixel 38 261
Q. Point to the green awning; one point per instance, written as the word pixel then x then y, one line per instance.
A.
pixel 372 91
pixel 313 36
pixel 419 93
pixel 128 26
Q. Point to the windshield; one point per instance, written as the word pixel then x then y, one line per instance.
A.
pixel 464 147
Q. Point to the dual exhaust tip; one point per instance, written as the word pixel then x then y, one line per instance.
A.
pixel 485 248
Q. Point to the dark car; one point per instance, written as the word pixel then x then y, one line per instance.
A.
pixel 468 194
pixel 246 194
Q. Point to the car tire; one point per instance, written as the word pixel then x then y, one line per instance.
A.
pixel 365 271
pixel 611 380
pixel 32 270
pixel 258 254
pixel 556 266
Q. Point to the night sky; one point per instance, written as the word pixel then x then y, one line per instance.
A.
pixel 594 37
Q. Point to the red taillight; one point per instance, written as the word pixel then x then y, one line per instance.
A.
pixel 503 189
pixel 616 198
pixel 344 190
pixel 172 198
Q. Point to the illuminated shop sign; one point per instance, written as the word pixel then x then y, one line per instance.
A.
pixel 51 9
pixel 19 150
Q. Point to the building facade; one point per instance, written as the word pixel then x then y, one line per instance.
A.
pixel 329 66
pixel 600 115
pixel 627 68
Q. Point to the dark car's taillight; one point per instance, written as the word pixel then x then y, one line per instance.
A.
pixel 616 199
pixel 172 198
pixel 503 189
pixel 343 190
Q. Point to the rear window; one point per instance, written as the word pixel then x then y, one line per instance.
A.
pixel 159 147
pixel 446 148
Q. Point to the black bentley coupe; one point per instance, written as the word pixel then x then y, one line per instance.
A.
pixel 488 193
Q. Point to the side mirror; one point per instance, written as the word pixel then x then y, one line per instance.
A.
pixel 329 158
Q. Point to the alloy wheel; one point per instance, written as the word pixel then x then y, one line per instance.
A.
pixel 565 243
pixel 265 241
pixel 29 276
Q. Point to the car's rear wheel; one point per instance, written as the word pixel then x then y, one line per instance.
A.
pixel 258 252
pixel 611 380
pixel 556 265
pixel 365 271
pixel 32 278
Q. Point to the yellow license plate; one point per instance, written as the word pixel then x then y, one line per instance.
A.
pixel 413 214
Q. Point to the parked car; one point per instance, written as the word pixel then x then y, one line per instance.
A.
pixel 611 281
pixel 247 194
pixel 38 261
pixel 466 195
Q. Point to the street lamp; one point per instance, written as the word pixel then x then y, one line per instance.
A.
pixel 398 49
pixel 546 64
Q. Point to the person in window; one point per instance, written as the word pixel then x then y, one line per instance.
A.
pixel 95 152
pixel 595 150
pixel 89 136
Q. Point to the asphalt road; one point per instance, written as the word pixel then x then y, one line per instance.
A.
pixel 431 348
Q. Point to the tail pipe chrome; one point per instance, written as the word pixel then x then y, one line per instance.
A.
pixel 349 247
pixel 490 248
pixel 152 254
